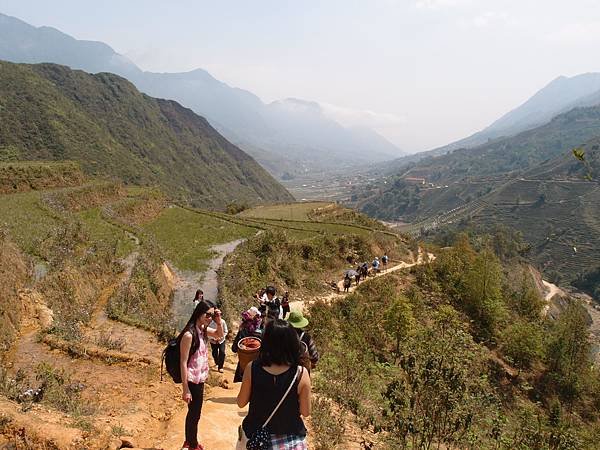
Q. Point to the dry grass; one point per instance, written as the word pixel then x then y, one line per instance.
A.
pixel 287 211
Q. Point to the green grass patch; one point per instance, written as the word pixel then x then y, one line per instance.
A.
pixel 102 231
pixel 27 220
pixel 325 228
pixel 288 211
pixel 186 236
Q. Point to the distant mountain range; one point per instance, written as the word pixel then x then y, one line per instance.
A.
pixel 51 112
pixel 285 136
pixel 482 166
pixel 559 96
pixel 530 182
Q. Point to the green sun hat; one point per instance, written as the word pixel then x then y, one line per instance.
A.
pixel 297 320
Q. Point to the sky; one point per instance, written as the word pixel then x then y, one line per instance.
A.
pixel 423 73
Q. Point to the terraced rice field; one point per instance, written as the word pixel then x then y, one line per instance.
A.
pixel 288 211
pixel 186 236
pixel 559 242
pixel 27 219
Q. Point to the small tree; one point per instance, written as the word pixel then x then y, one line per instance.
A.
pixel 399 321
pixel 526 301
pixel 568 350
pixel 482 296
pixel 522 344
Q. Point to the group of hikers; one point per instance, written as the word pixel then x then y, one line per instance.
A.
pixel 276 385
pixel 362 271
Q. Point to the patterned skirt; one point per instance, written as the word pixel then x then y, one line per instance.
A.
pixel 279 442
pixel 288 442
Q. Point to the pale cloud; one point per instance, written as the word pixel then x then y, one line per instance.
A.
pixel 490 18
pixel 440 4
pixel 361 117
pixel 576 34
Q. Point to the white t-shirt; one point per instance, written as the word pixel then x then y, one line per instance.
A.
pixel 213 325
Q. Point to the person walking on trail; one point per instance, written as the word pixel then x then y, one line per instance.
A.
pixel 347 283
pixel 299 322
pixel 384 261
pixel 198 297
pixel 250 325
pixel 285 304
pixel 357 276
pixel 364 270
pixel 278 390
pixel 271 301
pixel 193 361
pixel 375 264
pixel 218 345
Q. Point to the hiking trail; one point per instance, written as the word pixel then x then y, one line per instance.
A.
pixel 220 413
pixel 299 305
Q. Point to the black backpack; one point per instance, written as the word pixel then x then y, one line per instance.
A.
pixel 170 360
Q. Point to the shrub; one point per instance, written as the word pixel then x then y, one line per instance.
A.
pixel 522 344
pixel 567 352
pixel 107 341
pixel 328 425
pixel 61 392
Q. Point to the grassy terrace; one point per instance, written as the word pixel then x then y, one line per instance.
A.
pixel 288 211
pixel 315 227
pixel 186 236
pixel 27 220
pixel 102 231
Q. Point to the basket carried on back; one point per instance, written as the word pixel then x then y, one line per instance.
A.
pixel 248 350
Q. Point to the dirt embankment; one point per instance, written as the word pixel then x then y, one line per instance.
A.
pixel 14 273
pixel 32 176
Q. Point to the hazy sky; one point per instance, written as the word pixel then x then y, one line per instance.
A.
pixel 421 72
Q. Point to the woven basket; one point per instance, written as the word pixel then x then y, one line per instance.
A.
pixel 246 355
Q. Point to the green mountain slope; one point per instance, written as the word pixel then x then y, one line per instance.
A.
pixel 530 182
pixel 49 112
pixel 516 153
pixel 467 174
pixel 290 135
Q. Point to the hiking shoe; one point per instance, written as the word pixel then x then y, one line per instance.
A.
pixel 197 447
pixel 221 370
pixel 185 446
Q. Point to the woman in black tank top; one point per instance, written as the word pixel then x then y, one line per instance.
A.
pixel 264 384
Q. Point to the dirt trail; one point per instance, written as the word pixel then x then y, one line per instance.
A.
pixel 220 413
pixel 552 290
pixel 300 305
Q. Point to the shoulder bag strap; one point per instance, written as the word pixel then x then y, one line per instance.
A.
pixel 282 398
pixel 302 335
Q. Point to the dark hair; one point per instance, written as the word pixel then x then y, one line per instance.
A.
pixel 199 293
pixel 270 290
pixel 272 314
pixel 201 308
pixel 280 344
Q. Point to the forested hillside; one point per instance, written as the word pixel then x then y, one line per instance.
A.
pixel 457 355
pixel 49 112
